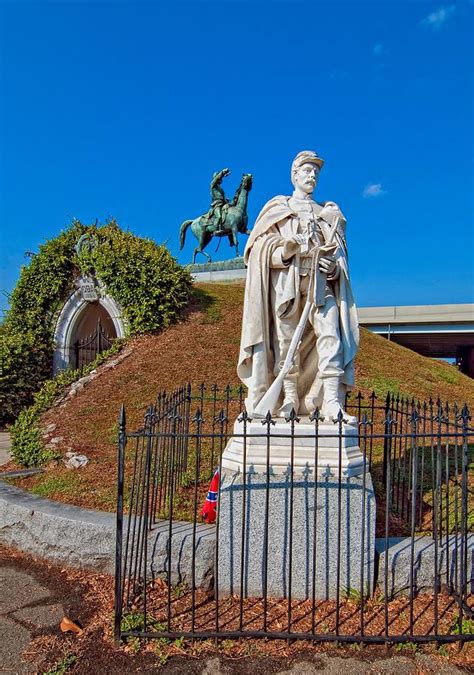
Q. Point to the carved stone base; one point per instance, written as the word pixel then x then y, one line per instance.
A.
pixel 326 450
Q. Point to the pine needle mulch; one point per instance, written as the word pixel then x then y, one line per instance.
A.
pixel 87 599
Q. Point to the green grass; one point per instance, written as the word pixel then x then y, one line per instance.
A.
pixel 406 647
pixel 135 621
pixel 209 304
pixel 449 375
pixel 381 385
pixel 53 484
pixel 212 314
pixel 62 666
pixel 354 595
pixel 467 627
pixel 69 487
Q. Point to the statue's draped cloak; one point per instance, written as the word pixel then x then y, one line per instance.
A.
pixel 264 285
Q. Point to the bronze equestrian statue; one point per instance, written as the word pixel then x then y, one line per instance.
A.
pixel 224 218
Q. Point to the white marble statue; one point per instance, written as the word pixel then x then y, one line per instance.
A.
pixel 297 253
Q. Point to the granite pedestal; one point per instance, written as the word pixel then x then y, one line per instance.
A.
pixel 309 510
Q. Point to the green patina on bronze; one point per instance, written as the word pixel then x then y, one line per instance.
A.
pixel 224 218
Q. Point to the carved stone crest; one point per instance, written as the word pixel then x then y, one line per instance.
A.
pixel 88 288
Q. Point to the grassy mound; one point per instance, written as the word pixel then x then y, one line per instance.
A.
pixel 203 348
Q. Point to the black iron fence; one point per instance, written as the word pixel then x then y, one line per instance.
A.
pixel 88 348
pixel 385 554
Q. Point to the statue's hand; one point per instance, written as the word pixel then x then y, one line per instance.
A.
pixel 225 172
pixel 327 264
pixel 298 239
pixel 330 212
pixel 292 245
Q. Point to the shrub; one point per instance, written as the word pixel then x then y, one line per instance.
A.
pixel 27 441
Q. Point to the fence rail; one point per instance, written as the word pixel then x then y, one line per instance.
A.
pixel 411 576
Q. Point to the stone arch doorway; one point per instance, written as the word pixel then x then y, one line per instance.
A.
pixel 93 333
pixel 78 321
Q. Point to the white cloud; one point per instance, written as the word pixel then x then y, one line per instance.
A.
pixel 437 18
pixel 373 190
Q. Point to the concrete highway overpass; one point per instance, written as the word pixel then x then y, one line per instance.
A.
pixel 439 331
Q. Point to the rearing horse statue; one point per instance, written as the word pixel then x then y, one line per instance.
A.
pixel 224 219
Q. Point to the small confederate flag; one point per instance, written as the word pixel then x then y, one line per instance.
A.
pixel 208 512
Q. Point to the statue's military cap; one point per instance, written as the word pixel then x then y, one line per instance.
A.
pixel 306 157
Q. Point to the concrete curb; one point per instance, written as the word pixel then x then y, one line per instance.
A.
pixel 85 539
pixel 21 473
pixel 78 537
pixel 218 276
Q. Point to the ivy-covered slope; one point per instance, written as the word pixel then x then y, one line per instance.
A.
pixel 142 276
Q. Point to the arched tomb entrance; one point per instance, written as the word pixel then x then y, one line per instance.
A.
pixel 88 324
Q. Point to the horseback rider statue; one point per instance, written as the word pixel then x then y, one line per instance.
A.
pixel 224 218
pixel 218 198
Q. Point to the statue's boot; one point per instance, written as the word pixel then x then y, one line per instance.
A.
pixel 290 397
pixel 313 396
pixel 332 405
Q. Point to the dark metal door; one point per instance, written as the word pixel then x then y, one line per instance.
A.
pixel 87 349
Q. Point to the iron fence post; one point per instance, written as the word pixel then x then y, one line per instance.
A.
pixel 119 532
pixel 464 510
pixel 388 423
pixel 385 442
pixel 146 516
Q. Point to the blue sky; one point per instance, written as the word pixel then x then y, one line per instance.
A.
pixel 125 109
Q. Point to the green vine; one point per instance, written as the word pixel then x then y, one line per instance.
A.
pixel 142 276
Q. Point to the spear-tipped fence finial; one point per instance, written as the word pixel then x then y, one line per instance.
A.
pixel 244 417
pixel 197 419
pixel 268 419
pixel 315 416
pixel 292 417
pixel 465 416
pixel 221 417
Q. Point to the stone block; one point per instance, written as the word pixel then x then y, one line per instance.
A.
pixel 398 552
pixel 267 536
pixel 182 557
pixel 328 449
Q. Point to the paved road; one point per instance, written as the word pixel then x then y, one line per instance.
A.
pixel 5 444
pixel 331 665
pixel 27 609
